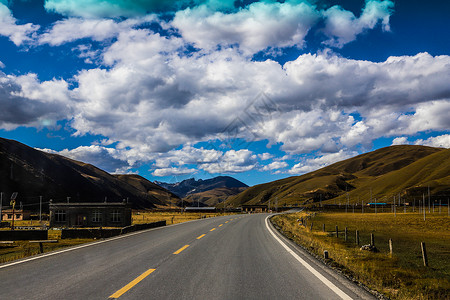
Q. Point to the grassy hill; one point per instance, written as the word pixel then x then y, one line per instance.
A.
pixel 405 169
pixel 151 189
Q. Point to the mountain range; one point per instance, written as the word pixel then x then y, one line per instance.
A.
pixel 406 171
pixel 33 173
pixel 208 192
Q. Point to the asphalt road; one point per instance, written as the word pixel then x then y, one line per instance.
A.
pixel 232 257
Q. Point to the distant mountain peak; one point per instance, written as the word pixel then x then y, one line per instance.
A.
pixel 192 185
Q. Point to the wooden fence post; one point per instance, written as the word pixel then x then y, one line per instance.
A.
pixel 372 239
pixel 357 237
pixel 337 231
pixel 345 236
pixel 325 254
pixel 424 254
pixel 390 247
pixel 323 227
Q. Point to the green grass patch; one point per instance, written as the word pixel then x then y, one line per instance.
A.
pixel 400 276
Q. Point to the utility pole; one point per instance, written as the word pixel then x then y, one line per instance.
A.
pixel 429 200
pixel 1 203
pixel 40 208
pixel 348 201
pixel 423 195
pixel 395 210
pixel 13 204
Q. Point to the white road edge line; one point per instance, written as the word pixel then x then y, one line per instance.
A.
pixel 322 278
pixel 91 244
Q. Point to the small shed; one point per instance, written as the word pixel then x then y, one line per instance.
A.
pixel 256 208
pixel 90 214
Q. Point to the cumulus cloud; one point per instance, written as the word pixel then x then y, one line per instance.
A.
pixel 153 97
pixel 173 171
pixel 72 29
pixel 442 141
pixel 400 141
pixel 312 164
pixel 256 27
pixel 265 156
pixel 209 160
pixel 25 101
pixel 17 33
pixel 342 26
pixel 275 166
pixel 107 159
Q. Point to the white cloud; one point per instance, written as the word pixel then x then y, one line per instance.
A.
pixel 400 141
pixel 265 156
pixel 157 98
pixel 342 26
pixel 312 164
pixel 173 171
pixel 18 34
pixel 25 101
pixel 275 166
pixel 232 161
pixel 107 159
pixel 72 29
pixel 256 27
pixel 210 160
pixel 442 141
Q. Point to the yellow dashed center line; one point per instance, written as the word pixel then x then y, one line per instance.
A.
pixel 227 222
pixel 213 229
pixel 131 284
pixel 201 236
pixel 181 249
pixel 220 225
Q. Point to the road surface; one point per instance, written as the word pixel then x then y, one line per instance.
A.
pixel 230 257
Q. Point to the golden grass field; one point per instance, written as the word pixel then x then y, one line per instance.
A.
pixel 21 249
pixel 170 217
pixel 401 276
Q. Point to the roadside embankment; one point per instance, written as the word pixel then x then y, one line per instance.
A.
pixel 398 274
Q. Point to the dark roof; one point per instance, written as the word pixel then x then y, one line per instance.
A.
pixel 200 208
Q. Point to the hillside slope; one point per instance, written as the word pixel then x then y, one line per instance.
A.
pixel 402 169
pixel 34 173
pixel 150 188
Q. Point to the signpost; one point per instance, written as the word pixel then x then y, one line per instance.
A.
pixel 13 203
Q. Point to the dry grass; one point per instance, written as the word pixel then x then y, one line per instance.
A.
pixel 170 217
pixel 22 249
pixel 401 276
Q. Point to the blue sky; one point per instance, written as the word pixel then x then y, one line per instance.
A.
pixel 259 90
